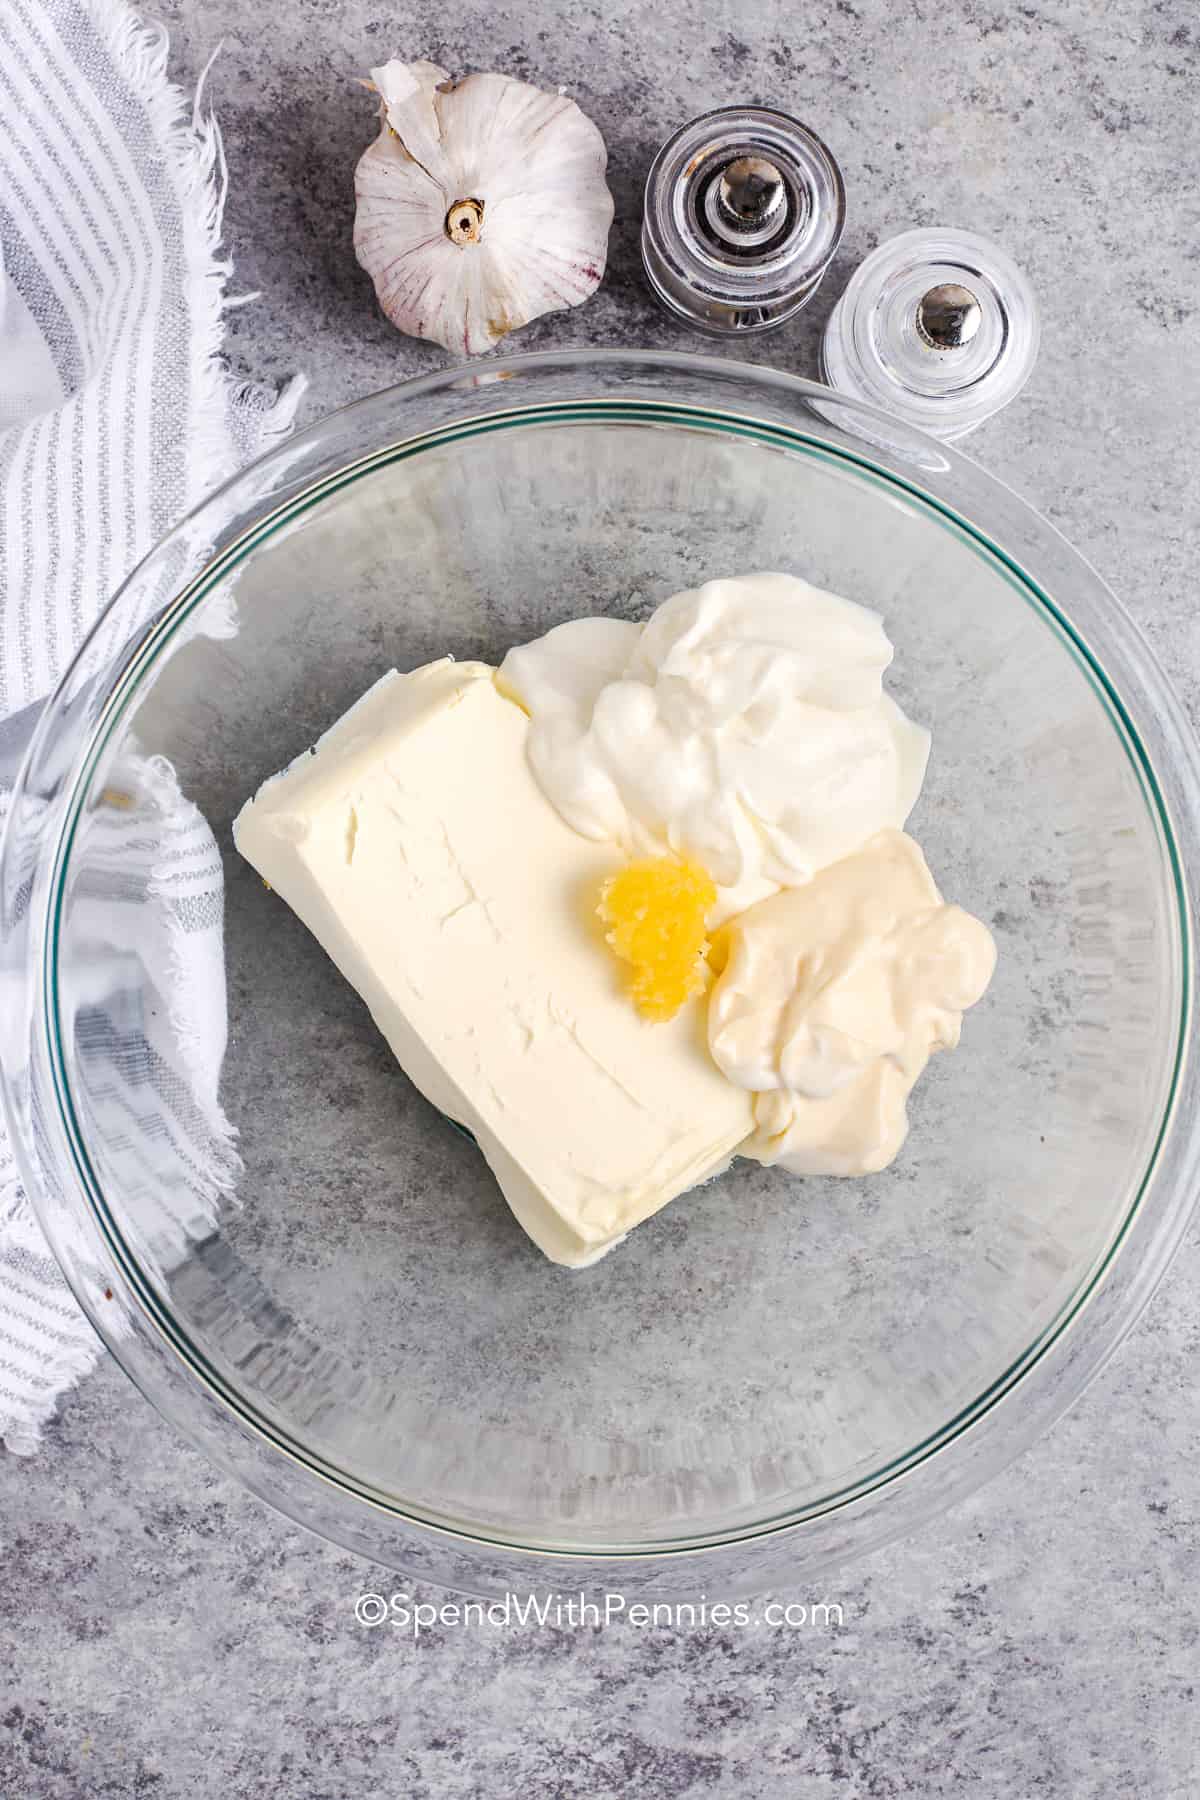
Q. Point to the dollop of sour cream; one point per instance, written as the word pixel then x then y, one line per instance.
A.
pixel 744 726
pixel 832 999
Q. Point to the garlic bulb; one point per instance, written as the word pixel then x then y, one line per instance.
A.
pixel 481 204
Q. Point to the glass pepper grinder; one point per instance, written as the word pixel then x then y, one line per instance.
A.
pixel 744 209
pixel 937 326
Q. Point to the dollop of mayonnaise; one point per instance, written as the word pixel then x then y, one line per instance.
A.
pixel 831 1000
pixel 744 726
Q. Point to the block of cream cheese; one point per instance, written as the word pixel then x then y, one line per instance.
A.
pixel 419 850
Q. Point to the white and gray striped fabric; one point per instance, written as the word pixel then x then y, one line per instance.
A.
pixel 116 415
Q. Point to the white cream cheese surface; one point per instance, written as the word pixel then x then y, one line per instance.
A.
pixel 418 848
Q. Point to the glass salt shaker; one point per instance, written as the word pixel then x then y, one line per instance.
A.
pixel 744 209
pixel 938 326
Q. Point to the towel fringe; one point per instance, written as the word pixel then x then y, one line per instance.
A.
pixel 194 155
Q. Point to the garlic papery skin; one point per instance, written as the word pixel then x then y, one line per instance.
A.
pixel 481 205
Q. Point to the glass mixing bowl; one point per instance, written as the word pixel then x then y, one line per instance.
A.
pixel 773 1373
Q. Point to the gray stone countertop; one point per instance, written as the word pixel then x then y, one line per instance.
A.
pixel 161 1633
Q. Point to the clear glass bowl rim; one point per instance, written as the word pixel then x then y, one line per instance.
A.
pixel 231 1441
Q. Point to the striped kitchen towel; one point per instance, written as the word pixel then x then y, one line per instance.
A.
pixel 116 415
